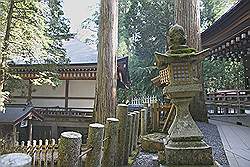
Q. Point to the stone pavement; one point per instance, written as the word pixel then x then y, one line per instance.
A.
pixel 236 141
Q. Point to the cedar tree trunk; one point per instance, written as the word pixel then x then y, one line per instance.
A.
pixel 3 47
pixel 105 95
pixel 187 13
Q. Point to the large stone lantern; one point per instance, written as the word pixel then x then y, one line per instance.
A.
pixel 179 76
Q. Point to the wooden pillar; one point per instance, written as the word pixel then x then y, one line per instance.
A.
pixel 69 149
pixel 29 97
pixel 14 134
pixel 169 119
pixel 145 106
pixel 66 93
pixel 122 116
pixel 54 131
pixel 155 115
pixel 95 141
pixel 110 143
pixel 30 130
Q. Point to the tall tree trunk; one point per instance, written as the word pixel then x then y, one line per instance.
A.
pixel 4 46
pixel 187 13
pixel 105 97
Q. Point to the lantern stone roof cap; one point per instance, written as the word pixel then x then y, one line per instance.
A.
pixel 162 60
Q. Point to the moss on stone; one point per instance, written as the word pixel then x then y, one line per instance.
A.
pixel 133 156
pixel 182 51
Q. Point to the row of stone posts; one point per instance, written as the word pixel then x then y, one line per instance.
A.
pixel 107 146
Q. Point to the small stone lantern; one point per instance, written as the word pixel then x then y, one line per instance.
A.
pixel 179 76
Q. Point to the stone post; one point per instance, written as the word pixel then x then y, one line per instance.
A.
pixel 143 123
pixel 95 141
pixel 122 115
pixel 110 143
pixel 15 160
pixel 69 149
pixel 129 134
pixel 133 131
pixel 137 116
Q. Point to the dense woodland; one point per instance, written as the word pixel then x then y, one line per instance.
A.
pixel 142 31
pixel 32 32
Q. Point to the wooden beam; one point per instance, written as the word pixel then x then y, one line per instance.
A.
pixel 66 93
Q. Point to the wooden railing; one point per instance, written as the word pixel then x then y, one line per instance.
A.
pixel 228 102
pixel 65 112
pixel 43 152
pixel 142 100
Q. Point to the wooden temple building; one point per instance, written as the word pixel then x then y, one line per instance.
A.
pixel 68 106
pixel 229 36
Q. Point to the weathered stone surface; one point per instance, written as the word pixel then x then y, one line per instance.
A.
pixel 122 115
pixel 15 160
pixel 180 76
pixel 133 131
pixel 95 141
pixel 188 153
pixel 184 128
pixel 137 121
pixel 129 134
pixel 69 149
pixel 215 164
pixel 143 122
pixel 153 142
pixel 110 143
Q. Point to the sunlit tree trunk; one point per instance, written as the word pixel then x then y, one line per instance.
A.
pixel 187 14
pixel 4 45
pixel 105 97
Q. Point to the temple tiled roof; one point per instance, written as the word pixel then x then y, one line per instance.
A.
pixel 79 52
pixel 15 114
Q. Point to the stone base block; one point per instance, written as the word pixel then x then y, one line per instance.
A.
pixel 188 153
pixel 215 164
pixel 153 142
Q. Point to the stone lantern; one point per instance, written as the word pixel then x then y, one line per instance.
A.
pixel 179 76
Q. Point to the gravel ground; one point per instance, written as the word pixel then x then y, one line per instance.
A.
pixel 212 138
pixel 145 159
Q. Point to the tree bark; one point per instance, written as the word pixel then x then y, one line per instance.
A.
pixel 3 47
pixel 105 97
pixel 187 15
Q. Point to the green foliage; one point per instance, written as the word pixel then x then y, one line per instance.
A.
pixel 144 25
pixel 57 30
pixel 211 10
pixel 23 27
pixel 223 74
pixel 142 32
pixel 32 33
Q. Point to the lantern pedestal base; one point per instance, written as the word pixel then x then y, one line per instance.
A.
pixel 188 153
pixel 185 146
